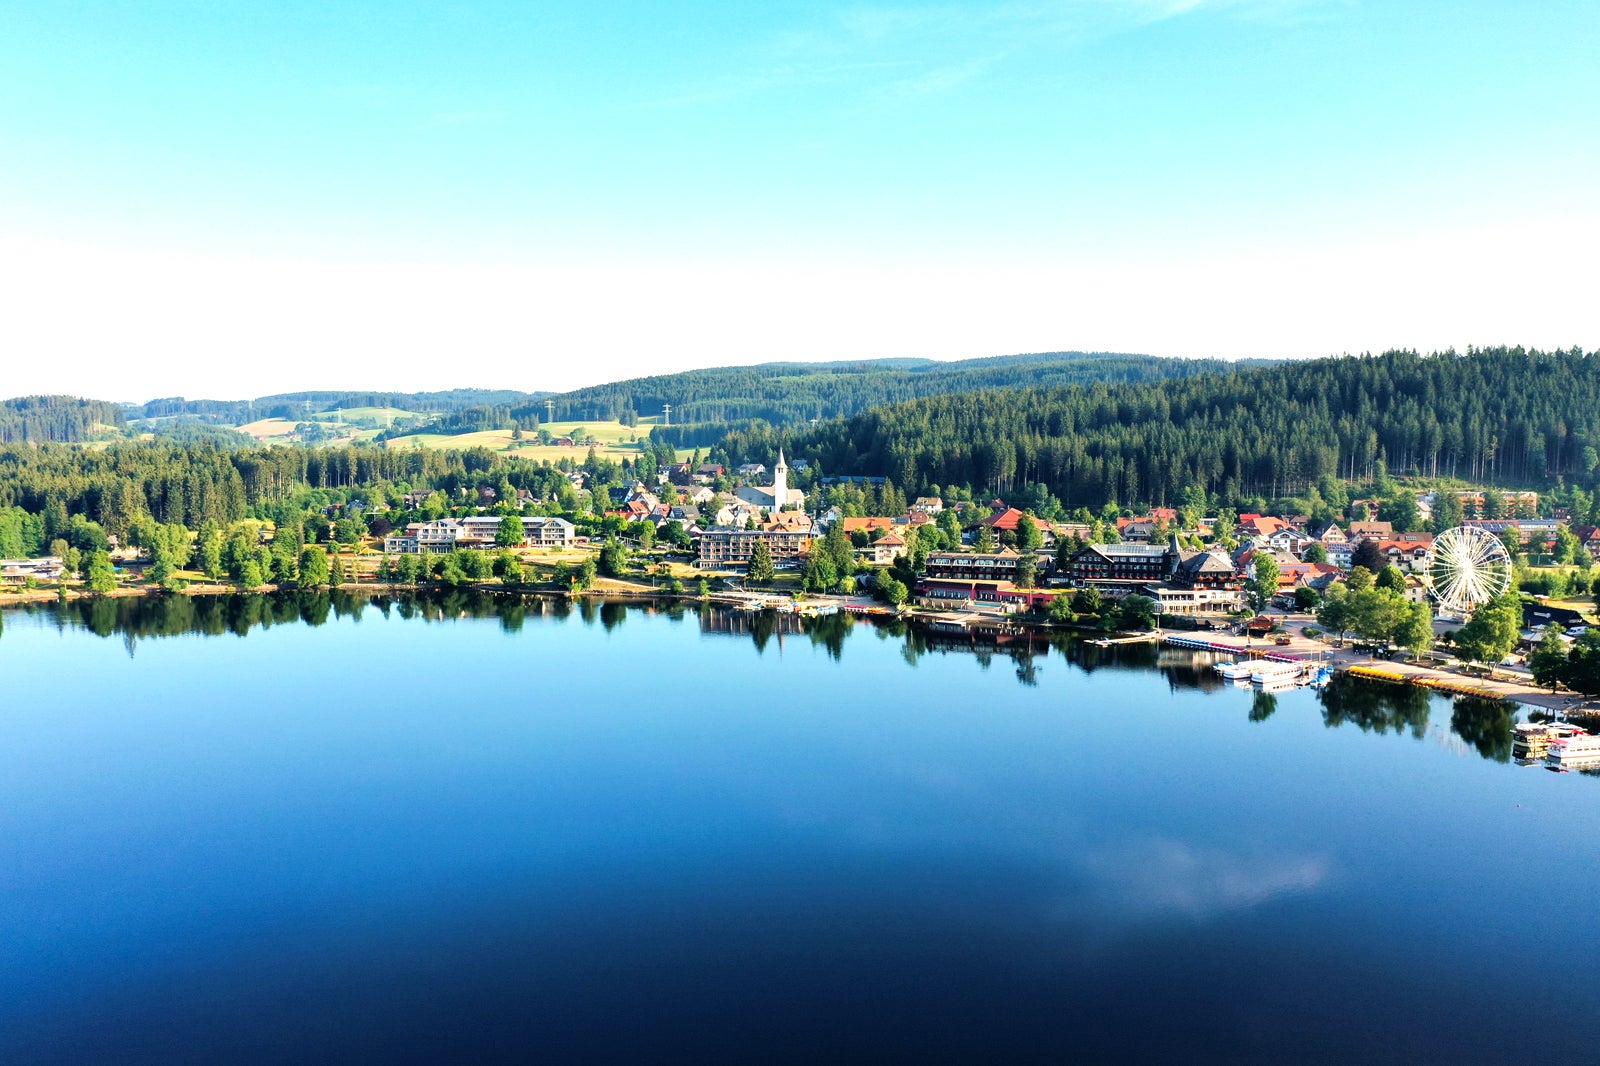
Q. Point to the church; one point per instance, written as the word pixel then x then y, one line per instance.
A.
pixel 778 495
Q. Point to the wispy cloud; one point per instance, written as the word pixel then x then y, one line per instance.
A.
pixel 1166 878
pixel 916 50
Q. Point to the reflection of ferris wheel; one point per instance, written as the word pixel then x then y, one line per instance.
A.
pixel 1466 568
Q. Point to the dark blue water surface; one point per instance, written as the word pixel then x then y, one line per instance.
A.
pixel 299 830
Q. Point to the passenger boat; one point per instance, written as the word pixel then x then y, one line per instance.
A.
pixel 1275 673
pixel 1233 671
pixel 1580 751
pixel 1530 741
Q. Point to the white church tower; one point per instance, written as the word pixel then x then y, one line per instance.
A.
pixel 780 482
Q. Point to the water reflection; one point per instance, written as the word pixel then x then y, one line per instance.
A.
pixel 1376 707
pixel 1483 725
pixel 1487 725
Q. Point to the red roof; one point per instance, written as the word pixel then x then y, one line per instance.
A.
pixel 1006 519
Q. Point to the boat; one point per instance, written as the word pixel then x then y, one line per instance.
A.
pixel 1233 671
pixel 1269 673
pixel 1580 751
pixel 1323 678
pixel 1530 741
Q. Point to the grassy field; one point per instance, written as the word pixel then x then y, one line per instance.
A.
pixel 617 441
pixel 270 430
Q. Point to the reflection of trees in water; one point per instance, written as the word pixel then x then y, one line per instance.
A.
pixel 763 624
pixel 612 614
pixel 829 632
pixel 1375 706
pixel 139 618
pixel 1486 725
pixel 1263 705
pixel 1027 670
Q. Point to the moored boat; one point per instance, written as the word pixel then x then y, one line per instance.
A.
pixel 1275 674
pixel 1579 751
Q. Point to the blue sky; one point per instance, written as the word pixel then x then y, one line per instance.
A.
pixel 541 195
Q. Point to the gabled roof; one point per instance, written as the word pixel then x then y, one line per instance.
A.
pixel 1207 563
pixel 850 525
pixel 1129 551
pixel 1006 519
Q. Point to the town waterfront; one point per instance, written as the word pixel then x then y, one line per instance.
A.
pixel 311 827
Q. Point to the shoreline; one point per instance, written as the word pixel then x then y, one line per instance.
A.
pixel 1342 660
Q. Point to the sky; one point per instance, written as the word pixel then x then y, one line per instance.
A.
pixel 225 198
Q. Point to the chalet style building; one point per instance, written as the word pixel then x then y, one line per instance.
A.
pixel 970 566
pixel 1121 563
pixel 723 545
pixel 1181 582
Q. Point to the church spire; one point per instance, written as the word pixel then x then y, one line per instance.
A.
pixel 780 482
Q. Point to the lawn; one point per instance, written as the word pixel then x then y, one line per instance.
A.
pixel 614 438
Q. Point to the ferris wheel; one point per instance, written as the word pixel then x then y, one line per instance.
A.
pixel 1466 568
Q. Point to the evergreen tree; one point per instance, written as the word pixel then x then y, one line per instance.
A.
pixel 761 570
pixel 1028 535
pixel 1446 511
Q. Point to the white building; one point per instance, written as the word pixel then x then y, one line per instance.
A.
pixel 479 531
pixel 778 495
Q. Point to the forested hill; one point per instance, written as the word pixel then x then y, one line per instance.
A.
pixel 298 404
pixel 1496 415
pixel 789 393
pixel 55 418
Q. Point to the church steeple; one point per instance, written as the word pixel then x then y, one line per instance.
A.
pixel 780 482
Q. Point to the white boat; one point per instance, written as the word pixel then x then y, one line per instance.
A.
pixel 1233 671
pixel 1581 751
pixel 1265 673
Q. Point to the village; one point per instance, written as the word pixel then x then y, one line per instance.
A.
pixel 750 537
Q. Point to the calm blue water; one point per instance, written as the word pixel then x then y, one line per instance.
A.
pixel 300 831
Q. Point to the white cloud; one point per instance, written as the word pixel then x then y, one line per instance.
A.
pixel 1167 878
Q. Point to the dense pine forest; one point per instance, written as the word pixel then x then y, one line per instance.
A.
pixel 796 393
pixel 1502 415
pixel 51 490
pixel 55 418
pixel 297 404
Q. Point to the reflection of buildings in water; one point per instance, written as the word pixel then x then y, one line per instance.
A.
pixel 1189 669
pixel 730 622
pixel 1090 657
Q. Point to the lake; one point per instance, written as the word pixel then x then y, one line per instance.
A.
pixel 462 829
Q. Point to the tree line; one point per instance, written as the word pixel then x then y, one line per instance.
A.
pixel 56 418
pixel 795 393
pixel 1498 416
